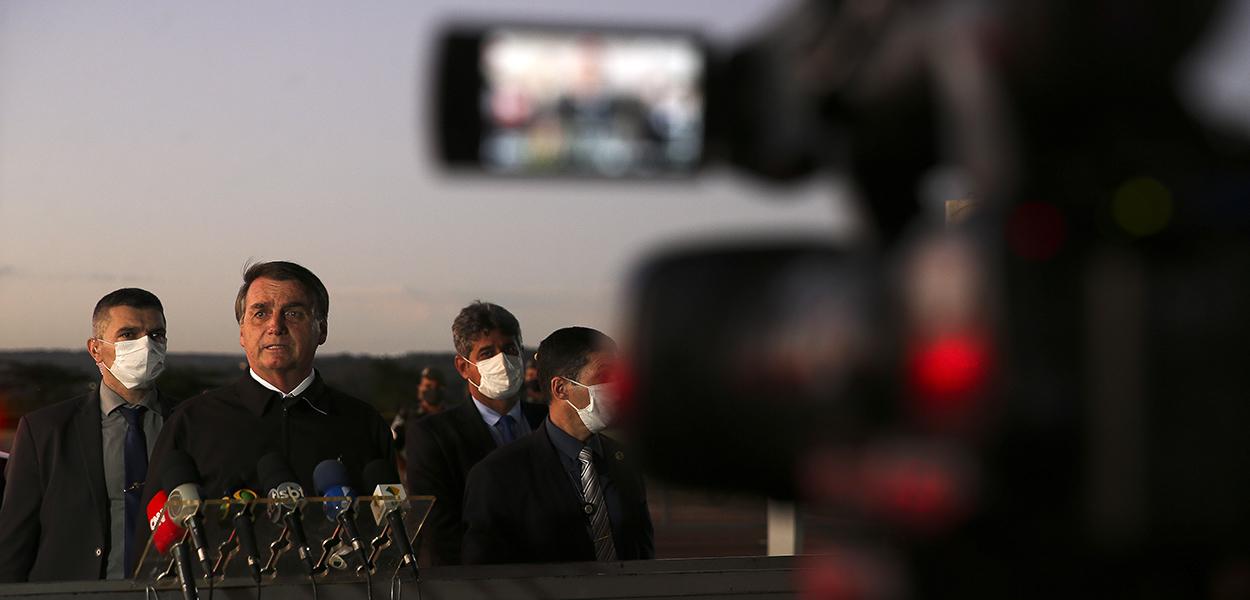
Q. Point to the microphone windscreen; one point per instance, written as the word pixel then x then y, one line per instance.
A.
pixel 380 472
pixel 164 530
pixel 179 469
pixel 273 471
pixel 228 509
pixel 233 484
pixel 330 474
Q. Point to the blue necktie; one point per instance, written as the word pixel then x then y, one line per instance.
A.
pixel 136 458
pixel 507 433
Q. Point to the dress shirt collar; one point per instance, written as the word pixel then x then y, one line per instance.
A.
pixel 570 446
pixel 256 394
pixel 110 400
pixel 491 417
pixel 299 389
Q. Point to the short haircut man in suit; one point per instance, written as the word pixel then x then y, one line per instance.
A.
pixel 442 448
pixel 77 468
pixel 282 404
pixel 566 492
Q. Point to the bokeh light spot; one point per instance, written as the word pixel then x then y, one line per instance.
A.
pixel 948 372
pixel 1142 206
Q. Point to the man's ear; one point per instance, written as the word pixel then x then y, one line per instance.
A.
pixel 558 389
pixel 93 349
pixel 462 367
pixel 324 327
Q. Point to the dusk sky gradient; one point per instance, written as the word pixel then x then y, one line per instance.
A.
pixel 162 145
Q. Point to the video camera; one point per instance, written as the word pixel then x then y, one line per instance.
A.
pixel 1057 374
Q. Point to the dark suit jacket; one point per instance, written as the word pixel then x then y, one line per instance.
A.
pixel 54 521
pixel 227 430
pixel 441 450
pixel 521 507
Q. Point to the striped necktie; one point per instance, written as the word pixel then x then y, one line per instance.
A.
pixel 600 528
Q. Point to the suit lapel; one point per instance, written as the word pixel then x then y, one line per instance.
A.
pixel 165 403
pixel 552 485
pixel 477 437
pixel 90 441
pixel 625 478
pixel 617 467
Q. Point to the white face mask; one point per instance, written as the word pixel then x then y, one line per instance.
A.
pixel 599 413
pixel 136 363
pixel 501 376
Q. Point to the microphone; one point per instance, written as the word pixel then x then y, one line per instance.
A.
pixel 165 532
pixel 183 504
pixel 276 475
pixel 388 506
pixel 330 477
pixel 182 557
pixel 240 513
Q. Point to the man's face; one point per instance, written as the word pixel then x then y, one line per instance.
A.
pixel 532 389
pixel 279 332
pixel 427 384
pixel 487 345
pixel 125 323
pixel 430 392
pixel 602 366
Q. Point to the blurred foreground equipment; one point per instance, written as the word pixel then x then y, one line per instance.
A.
pixel 1047 400
pixel 1044 398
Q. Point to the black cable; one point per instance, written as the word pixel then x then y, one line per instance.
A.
pixel 313 580
pixel 368 581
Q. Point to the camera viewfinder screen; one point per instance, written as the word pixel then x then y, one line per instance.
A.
pixel 595 104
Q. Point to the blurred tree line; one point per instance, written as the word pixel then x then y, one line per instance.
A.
pixel 30 380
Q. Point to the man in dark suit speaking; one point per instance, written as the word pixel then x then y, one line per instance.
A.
pixel 72 502
pixel 282 404
pixel 566 492
pixel 443 447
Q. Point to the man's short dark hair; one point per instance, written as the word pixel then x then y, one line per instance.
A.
pixel 566 351
pixel 281 270
pixel 478 318
pixel 132 297
pixel 434 374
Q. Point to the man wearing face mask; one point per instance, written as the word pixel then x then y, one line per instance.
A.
pixel 442 448
pixel 77 470
pixel 431 396
pixel 568 492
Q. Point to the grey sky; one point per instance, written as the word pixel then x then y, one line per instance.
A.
pixel 161 145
